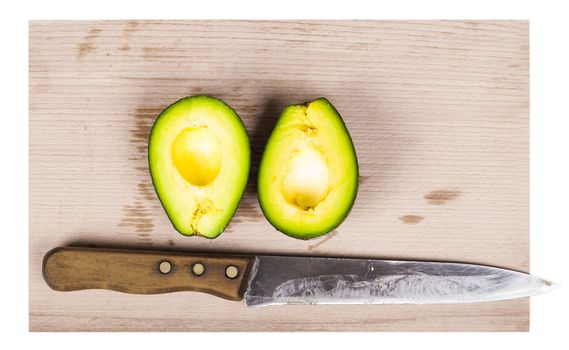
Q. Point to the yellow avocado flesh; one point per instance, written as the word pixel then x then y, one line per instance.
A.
pixel 308 176
pixel 199 159
pixel 196 153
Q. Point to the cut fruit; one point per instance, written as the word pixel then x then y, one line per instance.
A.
pixel 308 176
pixel 199 159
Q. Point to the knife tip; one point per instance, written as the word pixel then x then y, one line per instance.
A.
pixel 550 284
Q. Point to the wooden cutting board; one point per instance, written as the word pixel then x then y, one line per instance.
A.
pixel 438 112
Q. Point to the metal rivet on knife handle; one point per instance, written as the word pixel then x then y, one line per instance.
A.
pixel 198 269
pixel 165 267
pixel 231 271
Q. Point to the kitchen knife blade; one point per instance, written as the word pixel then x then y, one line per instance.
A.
pixel 274 280
pixel 279 280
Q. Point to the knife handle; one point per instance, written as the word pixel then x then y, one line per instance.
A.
pixel 147 272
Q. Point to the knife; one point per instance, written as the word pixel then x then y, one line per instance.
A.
pixel 274 280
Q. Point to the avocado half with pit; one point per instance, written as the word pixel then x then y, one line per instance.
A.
pixel 199 158
pixel 308 176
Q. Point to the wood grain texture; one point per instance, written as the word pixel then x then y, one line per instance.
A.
pixel 438 112
pixel 68 269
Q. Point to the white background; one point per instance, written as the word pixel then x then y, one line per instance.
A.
pixel 549 31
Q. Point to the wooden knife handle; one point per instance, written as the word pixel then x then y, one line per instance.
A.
pixel 146 272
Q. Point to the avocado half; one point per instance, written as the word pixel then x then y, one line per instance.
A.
pixel 308 176
pixel 199 159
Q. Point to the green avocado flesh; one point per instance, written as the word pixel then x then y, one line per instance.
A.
pixel 199 158
pixel 308 176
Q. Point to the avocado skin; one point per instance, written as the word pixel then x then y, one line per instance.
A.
pixel 248 168
pixel 352 200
